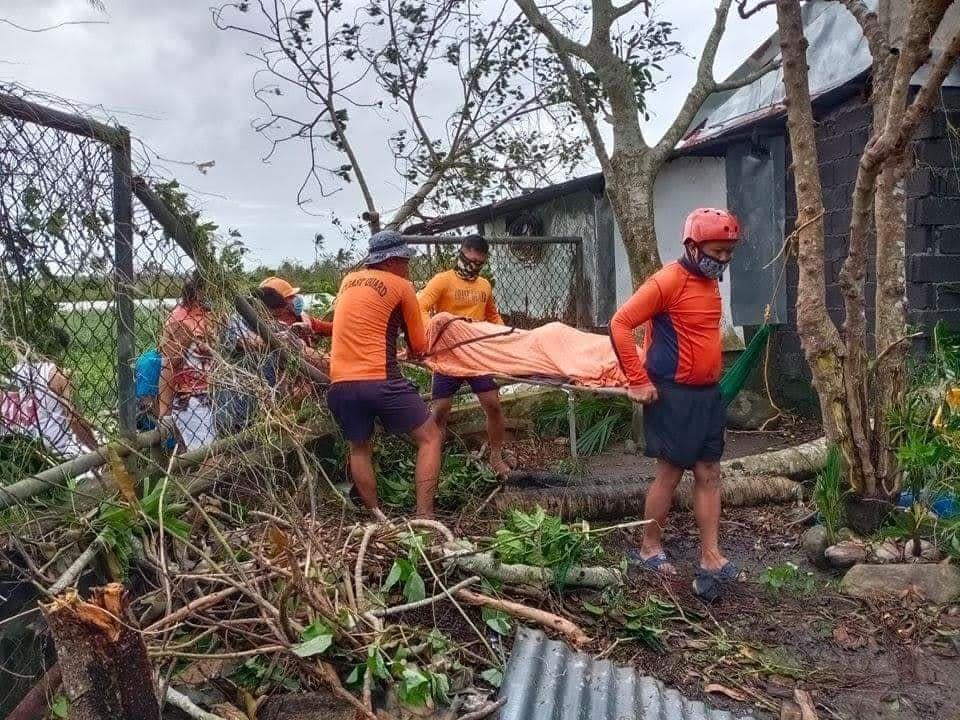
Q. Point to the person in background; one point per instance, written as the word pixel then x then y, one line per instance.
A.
pixel 146 373
pixel 185 347
pixel 463 292
pixel 38 401
pixel 684 416
pixel 373 305
pixel 290 310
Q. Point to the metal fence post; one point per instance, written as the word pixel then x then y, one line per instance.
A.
pixel 578 291
pixel 123 281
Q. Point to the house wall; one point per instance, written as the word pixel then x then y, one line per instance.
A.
pixel 932 243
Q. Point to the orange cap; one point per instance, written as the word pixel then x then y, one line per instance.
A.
pixel 285 289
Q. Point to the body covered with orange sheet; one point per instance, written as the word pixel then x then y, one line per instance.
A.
pixel 557 352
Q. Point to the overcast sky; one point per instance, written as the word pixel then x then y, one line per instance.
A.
pixel 184 88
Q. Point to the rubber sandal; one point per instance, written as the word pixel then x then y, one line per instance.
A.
pixel 654 563
pixel 709 584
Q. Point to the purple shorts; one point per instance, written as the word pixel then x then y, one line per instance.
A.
pixel 445 386
pixel 396 402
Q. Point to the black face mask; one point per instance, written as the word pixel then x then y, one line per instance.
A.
pixel 466 268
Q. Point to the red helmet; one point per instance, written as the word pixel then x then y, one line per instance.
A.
pixel 706 224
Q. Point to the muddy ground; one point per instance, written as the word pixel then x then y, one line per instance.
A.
pixel 898 659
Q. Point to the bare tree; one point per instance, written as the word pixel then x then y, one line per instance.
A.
pixel 609 75
pixel 857 384
pixel 452 87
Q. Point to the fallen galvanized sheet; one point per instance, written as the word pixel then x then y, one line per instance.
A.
pixel 546 680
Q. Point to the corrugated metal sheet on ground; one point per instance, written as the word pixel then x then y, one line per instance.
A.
pixel 546 680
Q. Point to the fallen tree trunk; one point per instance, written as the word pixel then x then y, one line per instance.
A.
pixel 485 564
pixel 797 462
pixel 614 502
pixel 107 674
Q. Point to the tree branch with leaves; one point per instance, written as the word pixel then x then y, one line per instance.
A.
pixel 608 76
pixel 450 86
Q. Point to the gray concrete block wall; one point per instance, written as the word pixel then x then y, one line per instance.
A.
pixel 933 230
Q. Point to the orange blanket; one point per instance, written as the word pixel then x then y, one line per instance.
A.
pixel 462 348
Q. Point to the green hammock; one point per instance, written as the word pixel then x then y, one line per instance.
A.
pixel 737 374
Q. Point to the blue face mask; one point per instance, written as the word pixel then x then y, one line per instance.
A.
pixel 298 304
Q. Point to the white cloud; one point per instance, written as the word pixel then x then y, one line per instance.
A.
pixel 184 89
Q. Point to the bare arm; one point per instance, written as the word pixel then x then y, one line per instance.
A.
pixel 60 384
pixel 172 346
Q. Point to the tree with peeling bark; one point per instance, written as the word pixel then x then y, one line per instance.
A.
pixel 608 73
pixel 449 82
pixel 858 384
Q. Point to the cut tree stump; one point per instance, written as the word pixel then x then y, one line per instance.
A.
pixel 107 674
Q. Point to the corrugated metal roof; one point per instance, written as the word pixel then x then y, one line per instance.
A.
pixel 837 55
pixel 546 680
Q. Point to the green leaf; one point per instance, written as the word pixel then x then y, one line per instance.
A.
pixel 60 707
pixel 376 665
pixel 493 676
pixel 496 620
pixel 396 572
pixel 592 609
pixel 414 686
pixel 356 675
pixel 414 589
pixel 313 646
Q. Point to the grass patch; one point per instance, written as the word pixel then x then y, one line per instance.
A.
pixel 829 494
pixel 786 579
pixel 600 421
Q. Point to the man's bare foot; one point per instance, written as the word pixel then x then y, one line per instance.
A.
pixel 712 561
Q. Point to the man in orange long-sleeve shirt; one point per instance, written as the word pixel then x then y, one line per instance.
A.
pixel 463 292
pixel 373 305
pixel 684 416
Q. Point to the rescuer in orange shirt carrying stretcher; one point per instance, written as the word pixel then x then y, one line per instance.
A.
pixel 463 292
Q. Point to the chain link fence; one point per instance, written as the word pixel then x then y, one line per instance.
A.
pixel 88 275
pixel 535 280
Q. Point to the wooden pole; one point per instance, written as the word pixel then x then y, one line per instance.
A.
pixel 15 107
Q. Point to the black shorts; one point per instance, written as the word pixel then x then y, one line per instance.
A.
pixel 446 386
pixel 685 425
pixel 355 404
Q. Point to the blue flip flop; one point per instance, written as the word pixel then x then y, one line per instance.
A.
pixel 652 563
pixel 708 584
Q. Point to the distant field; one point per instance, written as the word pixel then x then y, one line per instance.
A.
pixel 92 358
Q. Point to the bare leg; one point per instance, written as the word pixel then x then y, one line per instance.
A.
pixel 656 507
pixel 441 412
pixel 429 441
pixel 496 432
pixel 706 509
pixel 361 468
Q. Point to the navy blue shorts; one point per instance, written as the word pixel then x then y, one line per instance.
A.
pixel 396 402
pixel 685 425
pixel 445 386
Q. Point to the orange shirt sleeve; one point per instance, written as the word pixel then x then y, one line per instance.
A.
pixel 430 295
pixel 490 313
pixel 646 302
pixel 413 320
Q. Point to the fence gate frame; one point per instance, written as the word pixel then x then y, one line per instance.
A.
pixel 579 296
pixel 117 139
